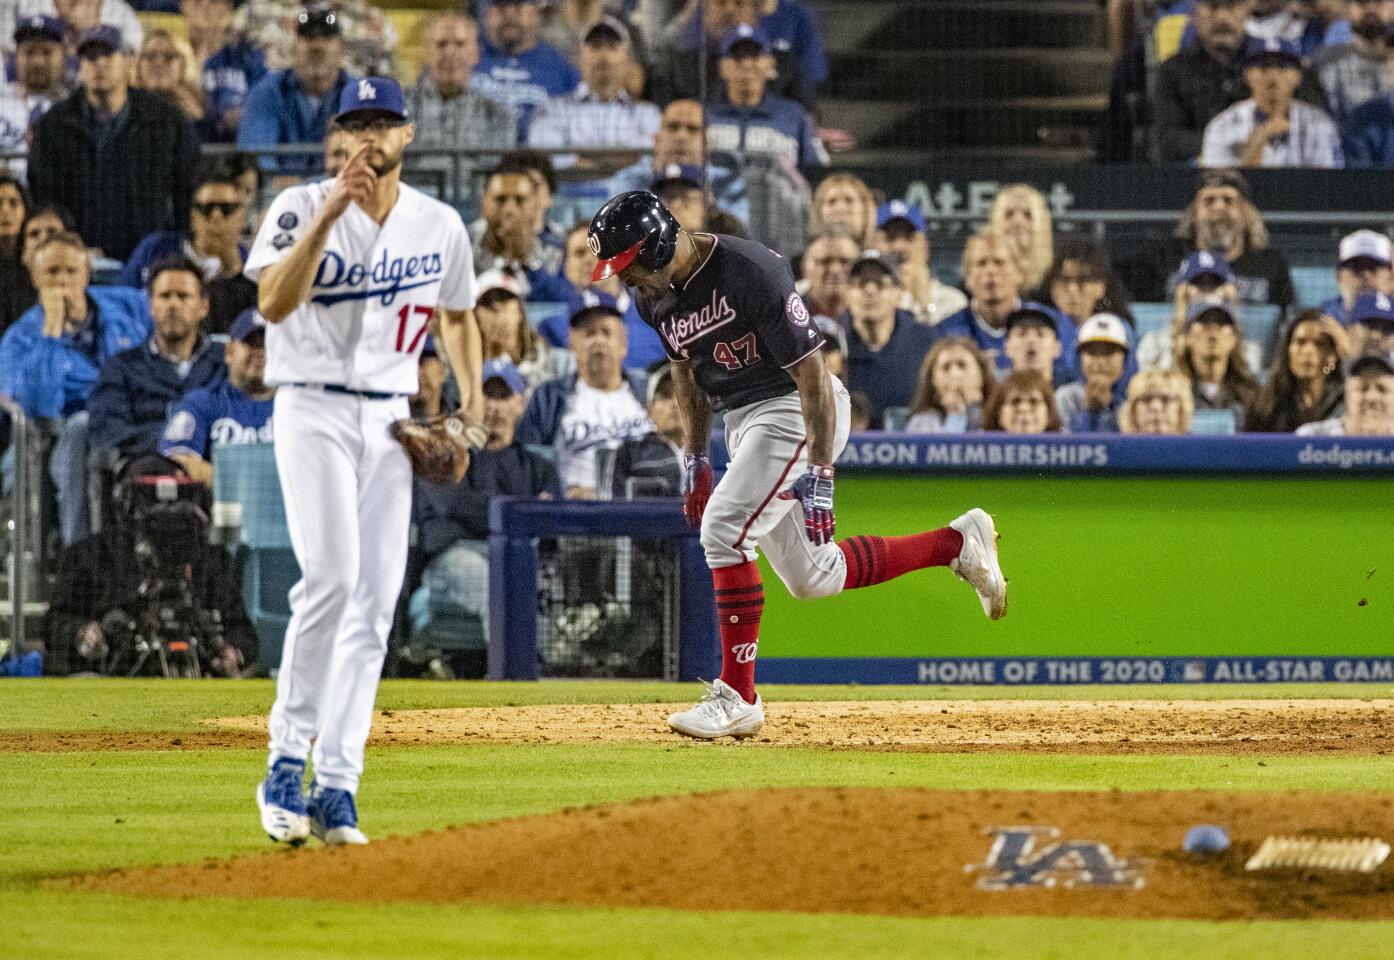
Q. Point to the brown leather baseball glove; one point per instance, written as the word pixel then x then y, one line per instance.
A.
pixel 439 447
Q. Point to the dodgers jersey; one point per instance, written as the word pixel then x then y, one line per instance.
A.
pixel 220 415
pixel 739 321
pixel 374 291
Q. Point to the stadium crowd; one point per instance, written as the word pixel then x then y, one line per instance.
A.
pixel 1042 331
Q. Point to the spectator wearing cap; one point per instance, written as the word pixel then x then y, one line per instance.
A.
pixel 1354 72
pixel 121 160
pixel 447 112
pixel 596 408
pixel 229 65
pixel 651 466
pixel 295 105
pixel 369 39
pixel 1369 401
pixel 1304 383
pixel 694 40
pixel 450 557
pixel 213 241
pixel 50 359
pixel 76 16
pixel 994 282
pixel 599 113
pixel 230 412
pixel 1372 324
pixel 1033 342
pixel 645 348
pixel 38 85
pixel 1367 136
pixel 1203 276
pixel 508 243
pixel 747 120
pixel 506 335
pixel 1209 354
pixel 1081 282
pixel 1364 267
pixel 565 24
pixel 138 387
pixel 680 189
pixel 1198 82
pixel 825 267
pixel 1271 128
pixel 955 378
pixel 792 27
pixel 1091 404
pixel 885 346
pixel 901 236
pixel 429 399
pixel 516 67
pixel 1220 219
pixel 1159 402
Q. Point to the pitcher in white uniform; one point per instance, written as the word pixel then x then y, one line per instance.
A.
pixel 350 273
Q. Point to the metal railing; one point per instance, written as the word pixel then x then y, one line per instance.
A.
pixel 22 528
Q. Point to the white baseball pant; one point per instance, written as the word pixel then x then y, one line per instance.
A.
pixel 347 487
pixel 768 447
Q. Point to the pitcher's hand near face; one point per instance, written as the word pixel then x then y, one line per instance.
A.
pixel 356 183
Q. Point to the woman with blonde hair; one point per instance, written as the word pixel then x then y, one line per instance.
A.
pixel 1022 404
pixel 844 200
pixel 1158 402
pixel 166 66
pixel 1020 212
pixel 954 380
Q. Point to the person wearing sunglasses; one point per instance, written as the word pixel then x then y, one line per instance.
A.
pixel 213 241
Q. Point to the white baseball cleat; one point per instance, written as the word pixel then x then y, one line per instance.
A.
pixel 977 564
pixel 720 713
pixel 281 800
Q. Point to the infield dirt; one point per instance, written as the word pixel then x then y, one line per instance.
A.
pixel 904 852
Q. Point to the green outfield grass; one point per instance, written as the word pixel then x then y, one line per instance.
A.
pixel 66 812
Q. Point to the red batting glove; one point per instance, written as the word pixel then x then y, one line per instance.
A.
pixel 814 491
pixel 696 488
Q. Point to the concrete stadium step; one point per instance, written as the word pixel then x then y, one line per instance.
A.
pixel 950 24
pixel 937 124
pixel 973 72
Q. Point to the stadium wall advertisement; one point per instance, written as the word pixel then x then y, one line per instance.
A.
pixel 1114 579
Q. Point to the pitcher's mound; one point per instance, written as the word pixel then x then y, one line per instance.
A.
pixel 848 850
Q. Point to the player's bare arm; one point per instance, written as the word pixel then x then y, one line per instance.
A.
pixel 285 285
pixel 694 407
pixel 816 399
pixel 459 333
pixel 195 467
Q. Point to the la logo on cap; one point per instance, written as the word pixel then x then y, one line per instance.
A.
pixel 366 90
pixel 1206 260
pixel 1382 301
pixel 899 207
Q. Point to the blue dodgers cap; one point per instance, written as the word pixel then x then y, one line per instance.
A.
pixel 501 368
pixel 1259 50
pixel 581 304
pixel 900 210
pixel 745 33
pixel 39 27
pixel 1378 307
pixel 1206 264
pixel 247 323
pixel 1204 309
pixel 379 94
pixel 1031 312
pixel 674 173
pixel 104 38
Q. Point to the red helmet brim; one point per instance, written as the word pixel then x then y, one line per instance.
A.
pixel 606 269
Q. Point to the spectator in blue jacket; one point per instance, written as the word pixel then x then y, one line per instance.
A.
pixel 50 359
pixel 1364 267
pixel 645 348
pixel 230 66
pixel 228 412
pixel 793 30
pixel 885 345
pixel 515 66
pixel 214 242
pixel 747 119
pixel 295 105
pixel 993 279
pixel 598 407
pixel 1367 139
pixel 1091 404
pixel 138 387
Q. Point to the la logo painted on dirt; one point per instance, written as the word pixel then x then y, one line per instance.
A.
pixel 1015 862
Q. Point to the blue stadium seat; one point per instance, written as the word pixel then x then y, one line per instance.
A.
pixel 1314 285
pixel 537 312
pixel 1149 317
pixel 894 418
pixel 1259 321
pixel 1210 422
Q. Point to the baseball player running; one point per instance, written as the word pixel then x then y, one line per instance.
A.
pixel 350 273
pixel 741 342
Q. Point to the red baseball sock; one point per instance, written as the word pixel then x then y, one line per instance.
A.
pixel 873 560
pixel 740 599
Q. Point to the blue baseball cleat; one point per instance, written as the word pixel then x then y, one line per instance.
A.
pixel 281 800
pixel 333 816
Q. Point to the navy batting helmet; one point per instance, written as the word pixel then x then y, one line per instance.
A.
pixel 632 227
